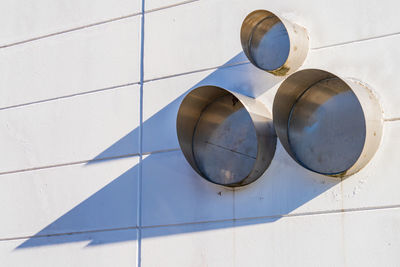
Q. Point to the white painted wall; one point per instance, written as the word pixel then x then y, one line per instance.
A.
pixel 90 177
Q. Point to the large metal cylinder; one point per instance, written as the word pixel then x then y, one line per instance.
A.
pixel 226 137
pixel 330 125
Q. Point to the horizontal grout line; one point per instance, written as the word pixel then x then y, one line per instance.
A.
pixel 392 119
pixel 277 216
pixel 70 30
pixel 356 41
pixel 93 24
pixel 187 223
pixel 68 96
pixel 198 70
pixel 373 208
pixel 169 6
pixel 69 233
pixel 89 161
pixel 68 164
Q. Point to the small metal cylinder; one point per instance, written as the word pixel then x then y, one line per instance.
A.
pixel 273 44
pixel 330 125
pixel 226 137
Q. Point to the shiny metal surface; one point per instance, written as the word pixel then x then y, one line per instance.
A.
pixel 329 125
pixel 226 137
pixel 269 44
pixel 273 44
pixel 225 141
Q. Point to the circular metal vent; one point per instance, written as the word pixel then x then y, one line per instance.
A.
pixel 227 138
pixel 273 44
pixel 329 125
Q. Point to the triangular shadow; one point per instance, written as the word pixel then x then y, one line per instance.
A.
pixel 111 206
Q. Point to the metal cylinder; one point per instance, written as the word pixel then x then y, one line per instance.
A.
pixel 273 44
pixel 330 125
pixel 226 137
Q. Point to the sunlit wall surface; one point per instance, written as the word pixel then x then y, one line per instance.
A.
pixel 91 173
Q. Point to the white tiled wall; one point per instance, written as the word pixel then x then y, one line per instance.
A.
pixel 91 173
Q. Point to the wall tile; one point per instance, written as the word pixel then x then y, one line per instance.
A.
pixel 69 130
pixel 83 197
pixel 113 248
pixel 89 59
pixel 23 20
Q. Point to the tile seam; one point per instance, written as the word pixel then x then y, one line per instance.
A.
pixel 303 214
pixel 356 41
pixel 279 216
pixel 45 36
pixel 69 96
pixel 69 233
pixel 88 161
pixel 141 108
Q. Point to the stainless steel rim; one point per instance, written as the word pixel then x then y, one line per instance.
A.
pixel 190 112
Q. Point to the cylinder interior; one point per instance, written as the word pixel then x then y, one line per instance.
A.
pixel 326 127
pixel 269 43
pixel 225 141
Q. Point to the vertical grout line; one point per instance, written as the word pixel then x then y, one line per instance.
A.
pixel 139 181
pixel 234 226
pixel 342 221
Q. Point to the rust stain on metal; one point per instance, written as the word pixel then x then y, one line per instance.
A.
pixel 282 71
pixel 341 175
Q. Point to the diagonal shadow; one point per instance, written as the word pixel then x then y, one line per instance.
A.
pixel 99 211
pixel 111 206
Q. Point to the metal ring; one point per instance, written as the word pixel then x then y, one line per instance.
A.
pixel 226 137
pixel 330 125
pixel 273 44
